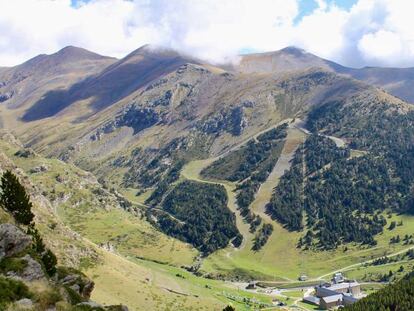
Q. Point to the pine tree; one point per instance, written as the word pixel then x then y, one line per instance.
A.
pixel 47 257
pixel 49 261
pixel 15 199
pixel 38 245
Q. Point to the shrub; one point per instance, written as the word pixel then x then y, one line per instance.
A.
pixel 12 290
pixel 74 297
pixel 90 308
pixel 38 245
pixel 47 298
pixel 12 264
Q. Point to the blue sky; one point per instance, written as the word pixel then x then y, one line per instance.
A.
pixel 308 6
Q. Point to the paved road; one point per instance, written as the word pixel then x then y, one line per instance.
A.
pixel 364 262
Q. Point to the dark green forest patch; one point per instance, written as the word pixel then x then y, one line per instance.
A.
pixel 197 213
pixel 338 199
pixel 397 296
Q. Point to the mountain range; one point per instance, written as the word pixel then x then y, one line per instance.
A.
pixel 259 169
pixel 75 74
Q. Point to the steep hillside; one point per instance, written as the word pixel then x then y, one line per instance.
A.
pixel 24 85
pixel 67 244
pixel 81 203
pixel 193 112
pixel 110 85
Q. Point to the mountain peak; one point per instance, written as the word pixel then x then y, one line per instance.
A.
pixel 71 52
pixel 288 59
pixel 153 50
pixel 293 50
pixel 67 55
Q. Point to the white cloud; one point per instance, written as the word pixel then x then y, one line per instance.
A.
pixel 380 45
pixel 372 32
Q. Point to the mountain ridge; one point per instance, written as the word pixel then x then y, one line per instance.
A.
pixel 98 81
pixel 397 81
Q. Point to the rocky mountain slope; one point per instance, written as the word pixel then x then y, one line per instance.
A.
pixel 111 84
pixel 29 276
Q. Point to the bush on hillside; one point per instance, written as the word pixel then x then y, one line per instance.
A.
pixel 12 290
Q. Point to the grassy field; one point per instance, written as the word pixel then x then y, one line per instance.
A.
pixel 366 273
pixel 144 288
pixel 281 259
pixel 131 195
pixel 145 285
pixel 294 293
pixel 130 235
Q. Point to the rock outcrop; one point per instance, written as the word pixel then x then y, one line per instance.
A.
pixel 136 117
pixel 76 281
pixel 33 270
pixel 231 120
pixel 24 303
pixel 6 96
pixel 12 240
pixel 19 267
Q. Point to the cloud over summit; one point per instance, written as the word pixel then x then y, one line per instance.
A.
pixel 371 32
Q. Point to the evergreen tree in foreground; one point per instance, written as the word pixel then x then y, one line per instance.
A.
pixel 14 199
